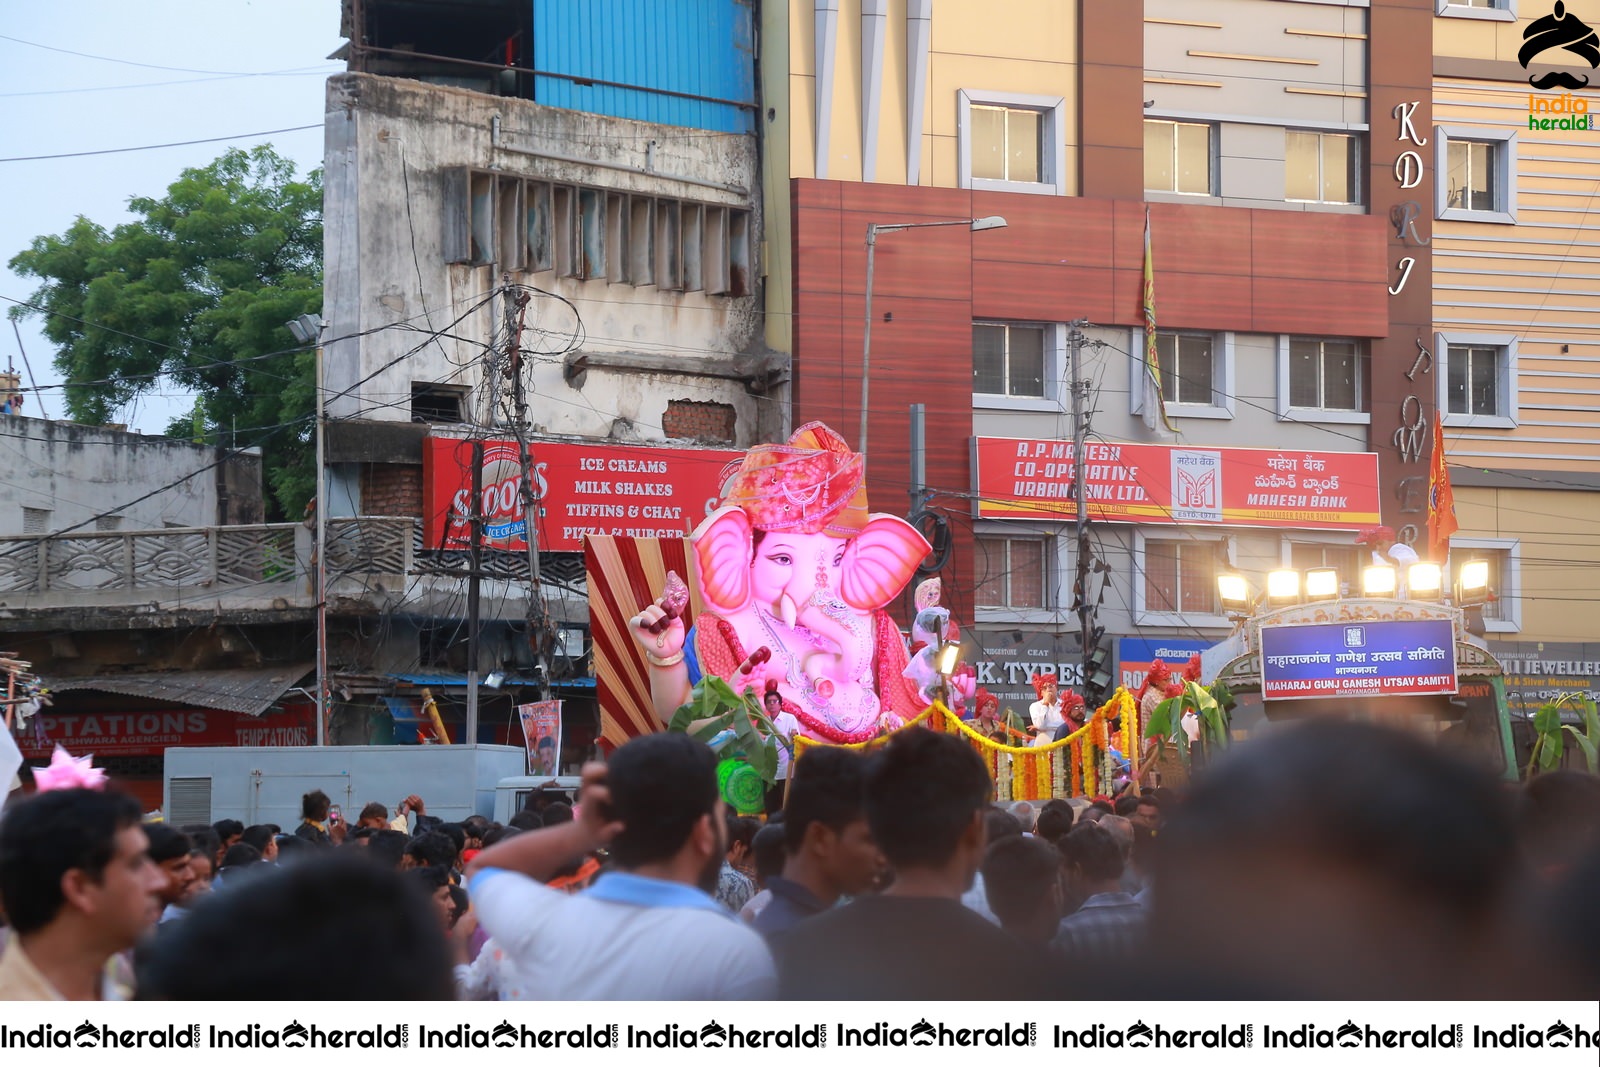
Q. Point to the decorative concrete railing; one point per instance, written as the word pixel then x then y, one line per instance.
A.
pixel 215 558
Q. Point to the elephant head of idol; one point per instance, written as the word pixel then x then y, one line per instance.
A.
pixel 793 561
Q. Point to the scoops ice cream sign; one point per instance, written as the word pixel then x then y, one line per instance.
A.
pixel 579 490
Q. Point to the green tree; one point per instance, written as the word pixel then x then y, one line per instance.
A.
pixel 197 288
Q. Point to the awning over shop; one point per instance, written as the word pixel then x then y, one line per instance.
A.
pixel 248 691
pixel 446 681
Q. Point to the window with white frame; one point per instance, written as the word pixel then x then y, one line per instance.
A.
pixel 1012 142
pixel 1178 156
pixel 1011 572
pixel 1477 379
pixel 1321 168
pixel 1504 556
pixel 1006 143
pixel 1492 10
pixel 1188 367
pixel 1013 359
pixel 1475 172
pixel 1323 374
pixel 1322 379
pixel 1180 577
pixel 1473 384
pixel 1196 373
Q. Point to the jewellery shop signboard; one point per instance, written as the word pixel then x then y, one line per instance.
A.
pixel 1358 659
pixel 581 489
pixel 1032 479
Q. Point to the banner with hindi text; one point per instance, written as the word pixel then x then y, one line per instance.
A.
pixel 1171 484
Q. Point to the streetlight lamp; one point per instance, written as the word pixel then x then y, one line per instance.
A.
pixel 307 329
pixel 988 222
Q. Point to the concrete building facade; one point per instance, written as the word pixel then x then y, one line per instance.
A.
pixel 584 220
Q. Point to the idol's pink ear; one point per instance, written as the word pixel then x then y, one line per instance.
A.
pixel 722 546
pixel 880 561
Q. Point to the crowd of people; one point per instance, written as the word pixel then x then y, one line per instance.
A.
pixel 1326 860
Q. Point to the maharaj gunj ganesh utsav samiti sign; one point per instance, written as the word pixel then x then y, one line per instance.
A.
pixel 1031 478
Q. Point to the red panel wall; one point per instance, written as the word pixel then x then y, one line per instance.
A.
pixel 1060 258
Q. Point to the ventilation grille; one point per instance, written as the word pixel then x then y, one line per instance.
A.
pixel 191 802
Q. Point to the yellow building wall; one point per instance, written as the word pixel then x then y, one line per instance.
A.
pixel 1029 47
pixel 1465 38
pixel 1558 541
pixel 1537 279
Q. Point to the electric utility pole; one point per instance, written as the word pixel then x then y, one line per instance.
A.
pixel 1080 501
pixel 537 614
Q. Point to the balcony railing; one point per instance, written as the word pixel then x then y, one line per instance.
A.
pixel 218 559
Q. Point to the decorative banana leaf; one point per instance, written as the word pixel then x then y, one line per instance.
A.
pixel 733 724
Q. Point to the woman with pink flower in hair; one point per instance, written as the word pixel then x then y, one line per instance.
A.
pixel 794 574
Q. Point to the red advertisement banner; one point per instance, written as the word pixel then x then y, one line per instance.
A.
pixel 1173 484
pixel 582 489
pixel 149 733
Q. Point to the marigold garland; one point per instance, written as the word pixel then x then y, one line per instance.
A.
pixel 1068 766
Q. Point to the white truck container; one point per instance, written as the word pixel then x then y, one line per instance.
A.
pixel 264 785
pixel 513 794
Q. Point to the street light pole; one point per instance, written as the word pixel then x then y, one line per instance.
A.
pixel 988 222
pixel 307 329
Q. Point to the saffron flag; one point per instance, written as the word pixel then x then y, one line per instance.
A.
pixel 1155 405
pixel 1441 499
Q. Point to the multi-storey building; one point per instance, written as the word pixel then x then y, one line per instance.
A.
pixel 1516 295
pixel 1261 139
pixel 564 197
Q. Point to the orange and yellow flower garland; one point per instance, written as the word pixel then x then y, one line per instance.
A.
pixel 1025 772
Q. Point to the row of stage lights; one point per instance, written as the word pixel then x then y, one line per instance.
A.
pixel 1424 581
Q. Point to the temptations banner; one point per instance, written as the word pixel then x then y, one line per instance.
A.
pixel 1031 478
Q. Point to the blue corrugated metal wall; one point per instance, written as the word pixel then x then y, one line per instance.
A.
pixel 705 47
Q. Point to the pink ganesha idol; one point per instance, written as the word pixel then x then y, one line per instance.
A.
pixel 794 575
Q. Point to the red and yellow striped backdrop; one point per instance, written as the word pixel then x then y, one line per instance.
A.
pixel 626 574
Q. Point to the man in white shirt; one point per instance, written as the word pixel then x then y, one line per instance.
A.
pixel 1046 711
pixel 648 929
pixel 1386 550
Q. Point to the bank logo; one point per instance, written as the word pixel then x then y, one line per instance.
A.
pixel 1196 486
pixel 1559 30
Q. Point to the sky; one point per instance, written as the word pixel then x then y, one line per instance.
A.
pixel 247 66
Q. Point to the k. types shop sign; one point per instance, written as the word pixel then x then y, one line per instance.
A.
pixel 581 489
pixel 1032 479
pixel 148 733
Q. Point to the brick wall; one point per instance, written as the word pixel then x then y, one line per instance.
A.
pixel 391 489
pixel 696 419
